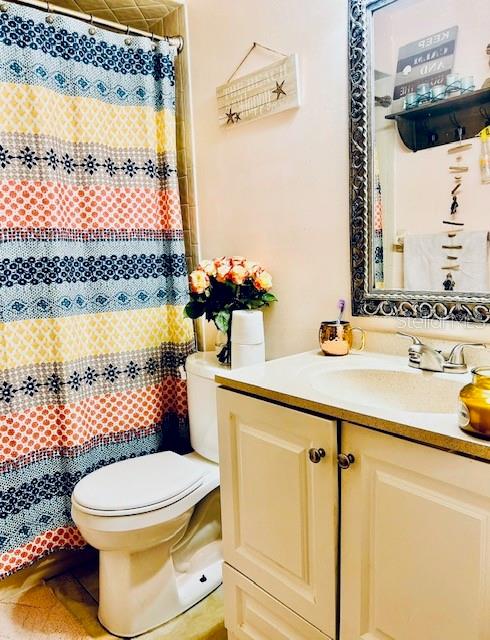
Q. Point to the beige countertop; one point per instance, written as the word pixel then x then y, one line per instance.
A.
pixel 294 381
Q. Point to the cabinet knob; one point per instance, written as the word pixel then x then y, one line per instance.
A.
pixel 345 460
pixel 316 455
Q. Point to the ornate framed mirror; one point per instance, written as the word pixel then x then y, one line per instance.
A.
pixel 419 202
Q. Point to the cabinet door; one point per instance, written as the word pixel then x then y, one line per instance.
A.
pixel 280 509
pixel 252 614
pixel 415 542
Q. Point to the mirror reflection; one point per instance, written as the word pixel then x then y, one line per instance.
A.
pixel 430 203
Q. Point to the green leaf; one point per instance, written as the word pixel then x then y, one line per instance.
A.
pixel 269 297
pixel 255 304
pixel 194 309
pixel 222 320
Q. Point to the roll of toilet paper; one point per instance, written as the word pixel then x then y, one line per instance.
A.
pixel 244 355
pixel 247 327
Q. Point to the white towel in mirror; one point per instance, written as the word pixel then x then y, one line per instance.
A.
pixel 424 259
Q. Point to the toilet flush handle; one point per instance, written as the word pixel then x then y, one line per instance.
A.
pixel 316 455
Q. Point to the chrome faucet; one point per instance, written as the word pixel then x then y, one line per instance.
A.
pixel 421 356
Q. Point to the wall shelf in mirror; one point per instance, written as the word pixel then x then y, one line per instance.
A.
pixel 435 124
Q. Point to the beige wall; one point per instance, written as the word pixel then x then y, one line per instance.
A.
pixel 276 190
pixel 174 24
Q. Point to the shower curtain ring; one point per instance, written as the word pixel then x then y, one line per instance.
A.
pixel 49 17
pixel 127 40
pixel 153 45
pixel 92 29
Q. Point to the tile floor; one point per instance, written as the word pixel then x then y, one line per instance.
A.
pixel 65 608
pixel 36 614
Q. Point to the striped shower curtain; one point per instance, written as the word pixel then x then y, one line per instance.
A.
pixel 92 268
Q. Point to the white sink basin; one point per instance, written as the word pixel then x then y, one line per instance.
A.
pixel 403 391
pixel 374 389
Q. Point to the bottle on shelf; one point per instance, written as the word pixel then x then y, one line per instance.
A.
pixel 485 155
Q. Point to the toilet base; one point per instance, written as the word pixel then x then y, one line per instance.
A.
pixel 191 589
pixel 143 588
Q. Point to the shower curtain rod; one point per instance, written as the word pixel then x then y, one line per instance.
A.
pixel 174 41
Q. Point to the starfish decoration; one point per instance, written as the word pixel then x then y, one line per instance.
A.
pixel 231 117
pixel 237 117
pixel 279 91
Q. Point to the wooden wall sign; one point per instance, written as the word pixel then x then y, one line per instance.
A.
pixel 262 93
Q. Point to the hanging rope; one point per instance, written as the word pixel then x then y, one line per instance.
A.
pixel 254 46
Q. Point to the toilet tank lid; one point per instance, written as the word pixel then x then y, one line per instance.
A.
pixel 204 364
pixel 138 483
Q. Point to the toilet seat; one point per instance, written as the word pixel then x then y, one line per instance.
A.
pixel 138 485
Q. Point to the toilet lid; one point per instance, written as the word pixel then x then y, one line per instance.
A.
pixel 138 484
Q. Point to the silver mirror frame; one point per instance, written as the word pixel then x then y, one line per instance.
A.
pixel 366 301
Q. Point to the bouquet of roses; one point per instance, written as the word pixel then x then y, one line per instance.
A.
pixel 222 285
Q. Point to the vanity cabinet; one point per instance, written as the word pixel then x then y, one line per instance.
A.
pixel 252 614
pixel 415 541
pixel 279 515
pixel 414 534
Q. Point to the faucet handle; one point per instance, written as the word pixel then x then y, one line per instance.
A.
pixel 456 357
pixel 414 339
pixel 414 350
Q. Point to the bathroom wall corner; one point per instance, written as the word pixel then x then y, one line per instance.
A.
pixel 175 23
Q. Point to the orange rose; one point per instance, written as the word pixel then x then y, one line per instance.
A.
pixel 208 267
pixel 238 274
pixel 223 272
pixel 218 262
pixel 252 267
pixel 263 281
pixel 199 281
pixel 237 260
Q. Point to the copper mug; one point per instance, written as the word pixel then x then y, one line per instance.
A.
pixel 336 338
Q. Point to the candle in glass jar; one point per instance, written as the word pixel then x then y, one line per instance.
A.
pixel 423 92
pixel 453 85
pixel 410 100
pixel 474 404
pixel 467 84
pixel 438 92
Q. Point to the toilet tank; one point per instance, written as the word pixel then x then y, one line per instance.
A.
pixel 201 368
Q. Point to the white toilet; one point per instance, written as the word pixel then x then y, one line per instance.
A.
pixel 156 521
